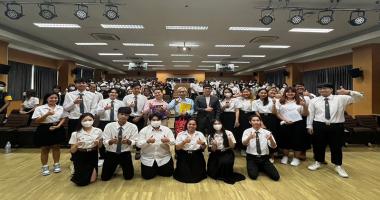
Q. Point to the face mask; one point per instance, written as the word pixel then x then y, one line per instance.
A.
pixel 87 124
pixel 227 94
pixel 87 88
pixel 122 88
pixel 155 124
pixel 72 88
pixel 218 127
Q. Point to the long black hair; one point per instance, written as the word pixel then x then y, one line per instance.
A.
pixel 79 125
pixel 229 89
pixel 213 131
pixel 266 101
pixel 48 95
pixel 191 119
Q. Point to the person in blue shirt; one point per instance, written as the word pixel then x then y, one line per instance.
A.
pixel 181 116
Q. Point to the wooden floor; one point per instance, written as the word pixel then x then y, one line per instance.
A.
pixel 20 179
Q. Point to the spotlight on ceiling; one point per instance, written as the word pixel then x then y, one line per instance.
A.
pixel 357 18
pixel 81 12
pixel 267 16
pixel 296 16
pixel 325 17
pixel 111 12
pixel 14 11
pixel 47 11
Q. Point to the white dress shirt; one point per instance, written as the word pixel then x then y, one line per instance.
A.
pixel 43 109
pixel 218 137
pixel 234 104
pixel 111 131
pixel 264 142
pixel 88 139
pixel 290 110
pixel 156 151
pixel 104 115
pixel 193 145
pixel 246 104
pixel 31 102
pixel 73 110
pixel 141 101
pixel 98 97
pixel 258 106
pixel 337 105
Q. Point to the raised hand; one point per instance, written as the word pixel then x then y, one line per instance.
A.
pixel 77 100
pixel 342 91
pixel 165 139
pixel 151 140
pixel 200 142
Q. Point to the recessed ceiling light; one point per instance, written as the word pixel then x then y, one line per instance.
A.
pixel 235 28
pixel 209 61
pixel 182 55
pixel 240 62
pixel 121 61
pixel 192 28
pixel 230 45
pixel 110 54
pixel 50 25
pixel 206 66
pixel 311 30
pixel 253 56
pixel 146 54
pixel 157 68
pixel 91 43
pixel 182 44
pixel 274 46
pixel 153 61
pixel 156 65
pixel 122 26
pixel 215 55
pixel 181 61
pixel 138 44
pixel 181 66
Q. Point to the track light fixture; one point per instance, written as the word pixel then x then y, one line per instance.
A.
pixel 81 12
pixel 267 16
pixel 111 12
pixel 47 11
pixel 325 17
pixel 14 11
pixel 296 16
pixel 357 18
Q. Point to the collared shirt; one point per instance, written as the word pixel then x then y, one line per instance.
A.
pixel 156 151
pixel 74 109
pixel 153 106
pixel 193 145
pixel 104 115
pixel 337 105
pixel 88 139
pixel 43 109
pixel 111 131
pixel 98 97
pixel 218 137
pixel 141 101
pixel 173 105
pixel 31 102
pixel 264 142
pixel 246 104
pixel 290 110
pixel 234 104
pixel 258 106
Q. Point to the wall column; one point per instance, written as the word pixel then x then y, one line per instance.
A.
pixel 4 59
pixel 65 76
pixel 294 72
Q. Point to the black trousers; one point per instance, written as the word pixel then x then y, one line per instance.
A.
pixel 166 170
pixel 332 135
pixel 102 150
pixel 256 164
pixel 204 124
pixel 84 165
pixel 72 125
pixel 112 160
pixel 139 124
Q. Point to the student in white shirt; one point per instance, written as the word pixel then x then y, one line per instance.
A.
pixel 50 133
pixel 155 141
pixel 230 110
pixel 98 95
pixel 326 124
pixel 29 104
pixel 84 148
pixel 119 138
pixel 258 141
pixel 220 164
pixel 191 165
pixel 290 109
pixel 246 110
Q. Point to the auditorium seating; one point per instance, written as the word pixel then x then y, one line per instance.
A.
pixel 357 134
pixel 9 129
pixel 370 121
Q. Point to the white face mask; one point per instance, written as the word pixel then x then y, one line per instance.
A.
pixel 87 124
pixel 155 124
pixel 227 94
pixel 72 88
pixel 218 127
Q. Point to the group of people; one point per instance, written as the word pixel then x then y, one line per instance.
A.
pixel 274 121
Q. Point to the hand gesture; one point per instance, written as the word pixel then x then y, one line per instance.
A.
pixel 209 109
pixel 107 107
pixel 253 135
pixel 187 140
pixel 151 140
pixel 200 142
pixel 50 112
pixel 342 91
pixel 306 93
pixel 165 139
pixel 78 100
pixel 310 131
pixel 302 102
pixel 126 141
pixel 112 141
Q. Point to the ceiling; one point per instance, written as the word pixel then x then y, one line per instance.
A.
pixel 154 15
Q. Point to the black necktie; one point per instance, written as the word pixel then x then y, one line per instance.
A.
pixel 81 104
pixel 112 113
pixel 135 107
pixel 258 147
pixel 119 138
pixel 327 108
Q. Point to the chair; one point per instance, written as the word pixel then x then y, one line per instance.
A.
pixel 357 134
pixel 25 135
pixel 370 121
pixel 15 120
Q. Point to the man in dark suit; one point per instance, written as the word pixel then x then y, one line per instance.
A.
pixel 208 108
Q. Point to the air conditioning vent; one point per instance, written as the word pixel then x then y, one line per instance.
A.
pixel 105 36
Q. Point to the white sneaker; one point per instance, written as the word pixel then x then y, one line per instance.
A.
pixel 243 153
pixel 284 160
pixel 341 171
pixel 295 162
pixel 271 160
pixel 100 162
pixel 316 165
pixel 57 168
pixel 45 170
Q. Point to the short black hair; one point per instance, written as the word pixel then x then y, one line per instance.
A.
pixel 80 80
pixel 326 85
pixel 124 110
pixel 136 84
pixel 207 85
pixel 154 115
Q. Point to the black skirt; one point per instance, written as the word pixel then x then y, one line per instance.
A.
pixel 191 167
pixel 228 120
pixel 220 166
pixel 244 124
pixel 45 137
pixel 84 165
pixel 292 136
pixel 271 123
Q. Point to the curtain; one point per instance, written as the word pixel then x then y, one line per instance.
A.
pixel 276 77
pixel 338 76
pixel 88 74
pixel 44 80
pixel 19 79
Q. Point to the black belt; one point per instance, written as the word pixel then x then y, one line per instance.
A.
pixel 259 156
pixel 328 123
pixel 191 151
pixel 246 112
pixel 266 114
pixel 50 124
pixel 87 150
